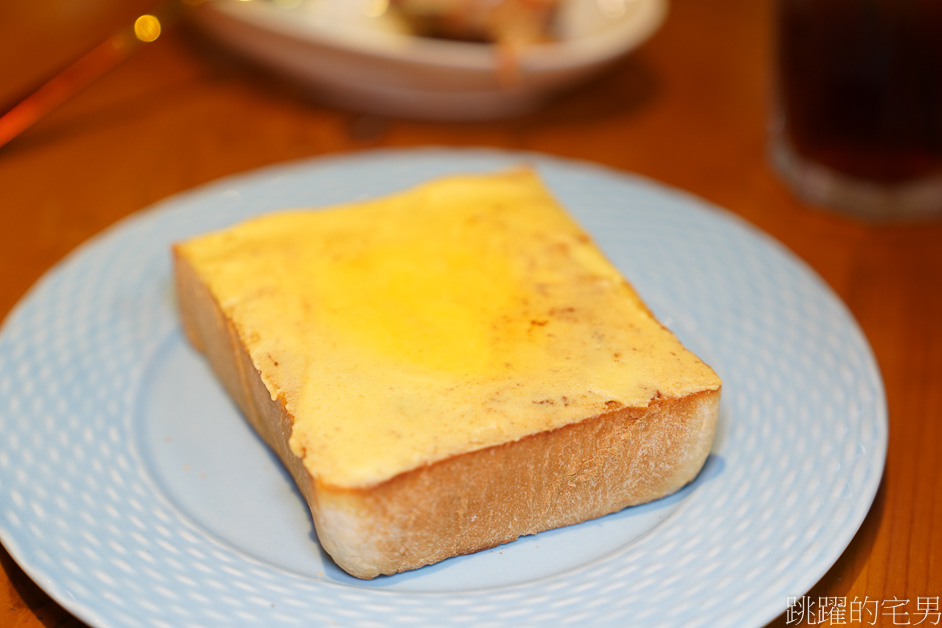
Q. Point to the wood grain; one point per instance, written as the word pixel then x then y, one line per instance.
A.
pixel 689 108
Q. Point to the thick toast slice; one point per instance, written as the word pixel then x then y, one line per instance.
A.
pixel 445 369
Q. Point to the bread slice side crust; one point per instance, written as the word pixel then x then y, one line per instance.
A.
pixel 473 501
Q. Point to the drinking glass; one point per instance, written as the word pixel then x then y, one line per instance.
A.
pixel 857 120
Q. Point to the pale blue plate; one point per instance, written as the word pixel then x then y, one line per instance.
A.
pixel 135 495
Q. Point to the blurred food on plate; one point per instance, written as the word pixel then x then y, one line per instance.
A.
pixel 433 59
pixel 497 21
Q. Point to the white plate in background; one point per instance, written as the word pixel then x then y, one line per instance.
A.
pixel 364 63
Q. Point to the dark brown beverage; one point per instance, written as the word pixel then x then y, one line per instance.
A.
pixel 860 86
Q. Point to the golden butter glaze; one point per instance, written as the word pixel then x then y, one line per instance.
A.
pixel 464 313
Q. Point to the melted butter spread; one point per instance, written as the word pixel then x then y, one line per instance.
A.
pixel 465 313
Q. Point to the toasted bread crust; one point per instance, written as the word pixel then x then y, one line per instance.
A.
pixel 476 500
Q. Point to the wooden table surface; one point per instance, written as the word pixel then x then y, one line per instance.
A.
pixel 689 108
